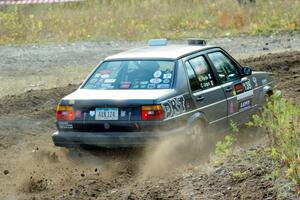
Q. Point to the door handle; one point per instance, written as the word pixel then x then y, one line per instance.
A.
pixel 228 89
pixel 200 98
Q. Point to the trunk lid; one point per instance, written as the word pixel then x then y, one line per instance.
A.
pixel 103 105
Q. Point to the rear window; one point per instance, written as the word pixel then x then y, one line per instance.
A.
pixel 136 74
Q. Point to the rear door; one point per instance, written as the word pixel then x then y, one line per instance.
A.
pixel 238 90
pixel 207 95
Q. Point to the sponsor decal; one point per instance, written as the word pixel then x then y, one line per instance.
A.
pixel 174 106
pixel 239 88
pixel 109 80
pixel 125 85
pixel 135 86
pixel 163 86
pixel 243 90
pixel 254 80
pixel 204 77
pixel 101 80
pixel 155 80
pixel 264 81
pixel 245 95
pixel 244 105
pixel 144 82
pixel 157 74
pixel 106 71
pixel 123 113
pixel 151 86
pixel 167 76
pixel 166 81
pixel 97 75
pixel 143 86
pixel 92 113
pixel 247 85
pixel 205 84
pixel 94 80
pixel 107 86
pixel 105 76
pixel 65 125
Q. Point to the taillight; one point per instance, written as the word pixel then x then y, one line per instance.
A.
pixel 152 112
pixel 64 113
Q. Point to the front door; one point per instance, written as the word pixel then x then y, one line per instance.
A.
pixel 238 91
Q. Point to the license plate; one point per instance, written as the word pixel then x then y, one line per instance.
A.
pixel 107 114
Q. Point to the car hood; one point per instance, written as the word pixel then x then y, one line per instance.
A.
pixel 121 95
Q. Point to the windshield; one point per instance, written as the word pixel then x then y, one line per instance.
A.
pixel 136 74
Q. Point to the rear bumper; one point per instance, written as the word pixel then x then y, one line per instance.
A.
pixel 110 139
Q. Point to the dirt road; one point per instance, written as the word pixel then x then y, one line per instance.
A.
pixel 32 168
pixel 55 65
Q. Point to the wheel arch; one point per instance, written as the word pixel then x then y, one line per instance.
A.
pixel 196 117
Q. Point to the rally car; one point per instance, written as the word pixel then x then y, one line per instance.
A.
pixel 157 91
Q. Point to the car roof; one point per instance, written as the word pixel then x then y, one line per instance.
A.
pixel 171 52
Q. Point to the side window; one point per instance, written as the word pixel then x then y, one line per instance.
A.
pixel 224 66
pixel 203 72
pixel 194 83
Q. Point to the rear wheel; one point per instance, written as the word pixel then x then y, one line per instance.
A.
pixel 198 137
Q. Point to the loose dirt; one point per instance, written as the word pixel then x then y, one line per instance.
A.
pixel 285 69
pixel 32 168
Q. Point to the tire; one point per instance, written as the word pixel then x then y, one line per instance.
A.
pixel 198 137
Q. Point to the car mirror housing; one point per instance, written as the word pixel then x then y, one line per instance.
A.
pixel 247 71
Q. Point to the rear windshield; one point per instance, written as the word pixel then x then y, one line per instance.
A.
pixel 137 74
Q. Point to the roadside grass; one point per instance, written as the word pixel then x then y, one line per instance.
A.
pixel 281 119
pixel 144 19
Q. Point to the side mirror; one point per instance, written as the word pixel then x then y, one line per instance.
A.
pixel 247 71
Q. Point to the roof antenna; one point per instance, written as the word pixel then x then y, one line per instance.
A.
pixel 196 41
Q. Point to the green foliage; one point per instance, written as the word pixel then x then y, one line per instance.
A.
pixel 234 127
pixel 223 148
pixel 144 19
pixel 238 175
pixel 281 119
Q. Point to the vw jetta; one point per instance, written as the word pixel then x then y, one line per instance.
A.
pixel 159 90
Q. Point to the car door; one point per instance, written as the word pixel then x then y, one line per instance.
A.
pixel 238 90
pixel 209 98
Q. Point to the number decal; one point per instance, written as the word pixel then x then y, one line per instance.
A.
pixel 247 85
pixel 174 106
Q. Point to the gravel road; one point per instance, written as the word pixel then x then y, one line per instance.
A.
pixel 52 65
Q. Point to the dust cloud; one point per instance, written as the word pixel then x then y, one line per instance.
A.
pixel 169 154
